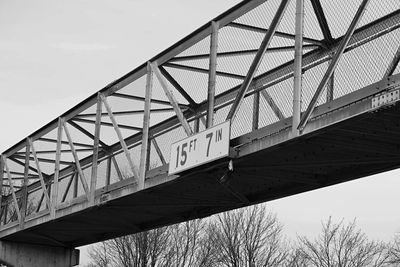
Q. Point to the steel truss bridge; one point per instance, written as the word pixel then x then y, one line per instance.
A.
pixel 311 88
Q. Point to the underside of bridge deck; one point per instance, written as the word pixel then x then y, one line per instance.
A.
pixel 363 145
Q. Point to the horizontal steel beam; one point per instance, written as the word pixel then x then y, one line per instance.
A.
pixel 124 113
pixel 240 53
pixel 205 71
pixel 155 101
pixel 108 124
pixel 277 33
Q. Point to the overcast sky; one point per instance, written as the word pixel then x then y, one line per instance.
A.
pixel 54 54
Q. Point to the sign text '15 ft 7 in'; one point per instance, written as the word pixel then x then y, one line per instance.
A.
pixel 200 148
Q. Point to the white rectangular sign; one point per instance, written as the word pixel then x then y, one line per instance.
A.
pixel 200 148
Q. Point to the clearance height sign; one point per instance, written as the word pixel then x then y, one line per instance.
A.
pixel 200 148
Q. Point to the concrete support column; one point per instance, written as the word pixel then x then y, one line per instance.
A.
pixel 27 255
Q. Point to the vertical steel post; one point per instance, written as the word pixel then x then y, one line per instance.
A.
pixel 145 151
pixel 212 76
pixel 108 171
pixel 93 179
pixel 256 110
pixel 330 88
pixel 54 195
pixel 1 185
pixel 298 74
pixel 5 214
pixel 24 190
pixel 257 59
pixel 332 66
pixel 196 125
pixel 75 192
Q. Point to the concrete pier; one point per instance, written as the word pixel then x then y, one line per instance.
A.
pixel 27 255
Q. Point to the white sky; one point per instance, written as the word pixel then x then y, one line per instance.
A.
pixel 54 54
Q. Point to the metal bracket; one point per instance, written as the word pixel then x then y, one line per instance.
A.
pixel 225 182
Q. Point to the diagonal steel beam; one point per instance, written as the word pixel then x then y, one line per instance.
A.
pixel 15 201
pixel 158 150
pixel 323 23
pixel 271 102
pixel 257 59
pixel 393 64
pixel 120 137
pixel 85 132
pixel 43 184
pixel 178 87
pixel 171 99
pixel 76 158
pixel 23 165
pixel 40 202
pixel 331 68
pixel 117 169
pixel 67 188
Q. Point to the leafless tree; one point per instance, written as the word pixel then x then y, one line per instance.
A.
pixel 395 252
pixel 139 250
pixel 244 238
pixel 342 245
pixel 295 258
pixel 247 238
pixel 100 255
pixel 185 244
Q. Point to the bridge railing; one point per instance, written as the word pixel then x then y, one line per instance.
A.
pixel 126 130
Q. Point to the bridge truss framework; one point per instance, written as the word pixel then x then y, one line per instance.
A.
pixel 274 68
